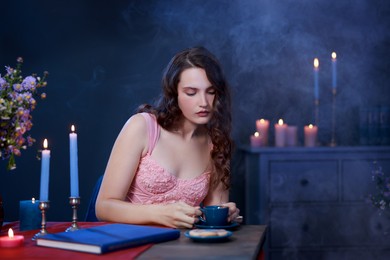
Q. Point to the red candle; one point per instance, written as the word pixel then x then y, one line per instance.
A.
pixel 11 240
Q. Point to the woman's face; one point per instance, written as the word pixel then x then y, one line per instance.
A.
pixel 195 96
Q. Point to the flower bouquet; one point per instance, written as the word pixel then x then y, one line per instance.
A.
pixel 17 101
pixel 381 199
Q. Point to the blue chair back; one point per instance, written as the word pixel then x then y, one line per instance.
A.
pixel 91 213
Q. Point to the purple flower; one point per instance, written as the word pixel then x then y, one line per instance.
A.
pixel 3 83
pixel 9 70
pixel 17 101
pixel 29 83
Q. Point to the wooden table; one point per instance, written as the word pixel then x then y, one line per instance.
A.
pixel 245 243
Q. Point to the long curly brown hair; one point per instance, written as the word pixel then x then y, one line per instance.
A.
pixel 167 110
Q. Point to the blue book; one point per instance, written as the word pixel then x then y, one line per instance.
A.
pixel 107 238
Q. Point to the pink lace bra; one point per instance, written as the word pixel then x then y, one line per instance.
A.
pixel 152 184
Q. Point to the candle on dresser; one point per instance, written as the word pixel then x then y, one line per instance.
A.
pixel 310 132
pixel 30 216
pixel 262 126
pixel 334 70
pixel 45 165
pixel 11 240
pixel 257 140
pixel 280 133
pixel 291 135
pixel 316 87
pixel 74 172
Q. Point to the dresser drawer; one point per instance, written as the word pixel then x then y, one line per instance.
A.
pixel 357 178
pixel 303 181
pixel 328 226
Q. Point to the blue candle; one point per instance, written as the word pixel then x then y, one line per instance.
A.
pixel 74 172
pixel 45 165
pixel 334 71
pixel 29 214
pixel 316 87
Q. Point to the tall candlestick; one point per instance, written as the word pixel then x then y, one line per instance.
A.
pixel 45 165
pixel 280 133
pixel 334 70
pixel 74 172
pixel 316 87
pixel 334 92
pixel 262 127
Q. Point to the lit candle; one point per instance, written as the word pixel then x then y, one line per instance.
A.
pixel 316 87
pixel 30 216
pixel 74 172
pixel 310 132
pixel 280 133
pixel 334 71
pixel 262 126
pixel 11 240
pixel 291 136
pixel 45 165
pixel 257 140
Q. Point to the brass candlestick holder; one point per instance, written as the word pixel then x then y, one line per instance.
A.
pixel 333 138
pixel 74 202
pixel 43 206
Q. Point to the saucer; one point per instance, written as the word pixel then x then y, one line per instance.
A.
pixel 204 226
pixel 209 238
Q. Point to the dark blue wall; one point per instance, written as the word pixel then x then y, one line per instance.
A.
pixel 106 57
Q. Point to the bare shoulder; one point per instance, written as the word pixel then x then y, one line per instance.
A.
pixel 136 123
pixel 135 131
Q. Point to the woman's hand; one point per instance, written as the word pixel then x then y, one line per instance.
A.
pixel 178 215
pixel 234 212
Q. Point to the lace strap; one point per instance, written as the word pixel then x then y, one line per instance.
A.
pixel 153 130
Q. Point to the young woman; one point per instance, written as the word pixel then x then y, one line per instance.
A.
pixel 170 158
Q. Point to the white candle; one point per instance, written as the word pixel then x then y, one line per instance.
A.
pixel 310 132
pixel 45 165
pixel 334 70
pixel 262 126
pixel 291 136
pixel 280 133
pixel 257 140
pixel 74 172
pixel 316 87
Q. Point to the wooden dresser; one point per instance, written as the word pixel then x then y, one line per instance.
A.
pixel 314 201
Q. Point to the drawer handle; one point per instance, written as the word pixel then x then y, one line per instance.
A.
pixel 304 182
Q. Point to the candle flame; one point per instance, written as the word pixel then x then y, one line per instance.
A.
pixel 72 128
pixel 334 55
pixel 10 233
pixel 262 120
pixel 316 63
pixel 280 122
pixel 45 144
pixel 257 134
pixel 310 126
pixel 33 200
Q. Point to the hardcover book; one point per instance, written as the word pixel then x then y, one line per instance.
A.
pixel 107 238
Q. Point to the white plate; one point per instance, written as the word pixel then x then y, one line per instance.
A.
pixel 209 238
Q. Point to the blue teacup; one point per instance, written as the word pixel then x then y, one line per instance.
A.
pixel 215 215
